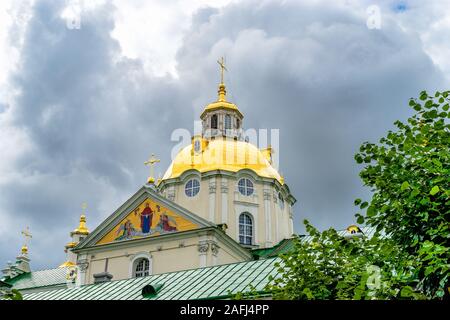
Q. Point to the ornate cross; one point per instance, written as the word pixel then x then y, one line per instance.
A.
pixel 222 68
pixel 151 162
pixel 83 208
pixel 27 235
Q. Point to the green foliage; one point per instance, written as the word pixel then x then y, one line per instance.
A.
pixel 408 172
pixel 330 266
pixel 13 294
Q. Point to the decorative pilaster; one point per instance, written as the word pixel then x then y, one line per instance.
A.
pixel 277 218
pixel 83 265
pixel 267 215
pixel 224 194
pixel 203 247
pixel 212 200
pixel 291 220
pixel 171 193
pixel 215 252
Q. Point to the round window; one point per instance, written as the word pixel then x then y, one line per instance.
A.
pixel 192 188
pixel 245 187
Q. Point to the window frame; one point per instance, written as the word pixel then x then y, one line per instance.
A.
pixel 244 234
pixel 192 188
pixel 228 125
pixel 214 121
pixel 248 185
pixel 145 268
pixel 135 259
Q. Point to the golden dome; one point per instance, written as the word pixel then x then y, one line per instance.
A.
pixel 82 229
pixel 353 229
pixel 67 264
pixel 221 103
pixel 223 154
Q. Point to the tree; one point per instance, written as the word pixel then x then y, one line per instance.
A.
pixel 330 266
pixel 12 294
pixel 409 175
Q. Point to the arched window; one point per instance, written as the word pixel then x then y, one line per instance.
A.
pixel 197 146
pixel 245 229
pixel 237 123
pixel 142 268
pixel 192 187
pixel 227 121
pixel 245 187
pixel 214 121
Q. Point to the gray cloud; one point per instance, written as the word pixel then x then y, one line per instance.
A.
pixel 93 116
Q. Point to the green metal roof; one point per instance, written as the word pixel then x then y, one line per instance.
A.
pixel 218 282
pixel 36 279
pixel 283 246
pixel 287 245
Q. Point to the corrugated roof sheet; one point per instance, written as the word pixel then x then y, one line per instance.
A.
pixel 282 247
pixel 287 245
pixel 203 283
pixel 42 278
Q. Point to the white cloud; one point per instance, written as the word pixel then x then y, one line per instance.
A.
pixel 87 106
pixel 153 30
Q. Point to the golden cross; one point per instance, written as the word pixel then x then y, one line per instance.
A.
pixel 151 162
pixel 222 68
pixel 26 233
pixel 83 208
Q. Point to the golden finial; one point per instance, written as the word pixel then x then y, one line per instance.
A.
pixel 151 162
pixel 27 235
pixel 222 91
pixel 82 229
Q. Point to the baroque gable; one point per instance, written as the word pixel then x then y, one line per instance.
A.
pixel 146 214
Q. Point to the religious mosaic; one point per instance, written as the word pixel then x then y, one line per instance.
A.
pixel 148 219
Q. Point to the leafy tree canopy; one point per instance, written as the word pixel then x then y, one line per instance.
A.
pixel 408 172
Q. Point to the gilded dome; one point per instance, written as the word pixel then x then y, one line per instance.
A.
pixel 221 103
pixel 223 154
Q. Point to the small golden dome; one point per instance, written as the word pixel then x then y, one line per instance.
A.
pixel 221 103
pixel 24 250
pixel 353 229
pixel 223 154
pixel 67 264
pixel 82 229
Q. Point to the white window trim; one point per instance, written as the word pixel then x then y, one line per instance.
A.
pixel 253 211
pixel 253 184
pixel 252 224
pixel 199 187
pixel 134 258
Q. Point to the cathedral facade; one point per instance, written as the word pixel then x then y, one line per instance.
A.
pixel 221 202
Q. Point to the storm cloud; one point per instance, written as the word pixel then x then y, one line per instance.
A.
pixel 85 117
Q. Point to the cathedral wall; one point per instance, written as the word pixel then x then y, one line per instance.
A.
pixel 198 250
pixel 220 201
pixel 165 257
pixel 198 204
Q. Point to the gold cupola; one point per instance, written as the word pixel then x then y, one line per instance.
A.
pixel 221 103
pixel 77 235
pixel 221 145
pixel 82 229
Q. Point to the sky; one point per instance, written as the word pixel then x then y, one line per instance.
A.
pixel 89 89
